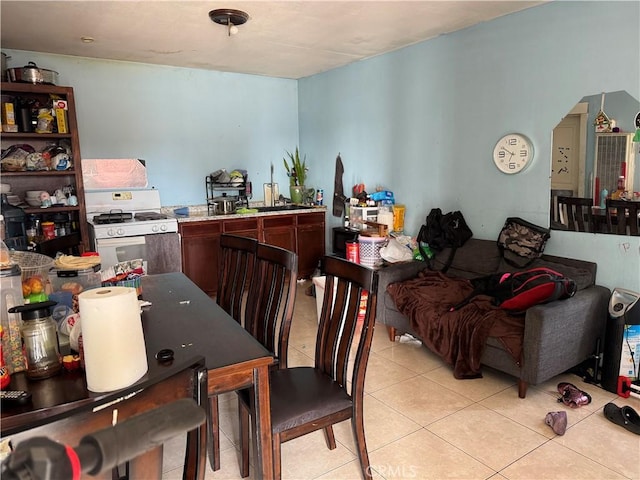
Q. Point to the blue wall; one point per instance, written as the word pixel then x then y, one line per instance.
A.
pixel 186 123
pixel 423 121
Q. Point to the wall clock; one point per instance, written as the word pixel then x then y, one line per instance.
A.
pixel 513 153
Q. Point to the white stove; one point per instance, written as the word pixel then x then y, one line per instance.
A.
pixel 128 224
pixel 127 213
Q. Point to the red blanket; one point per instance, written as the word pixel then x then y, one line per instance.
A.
pixel 458 337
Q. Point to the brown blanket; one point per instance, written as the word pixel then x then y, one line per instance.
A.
pixel 458 337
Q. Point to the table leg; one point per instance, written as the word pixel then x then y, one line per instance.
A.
pixel 196 452
pixel 262 423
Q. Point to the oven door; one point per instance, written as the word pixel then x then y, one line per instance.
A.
pixel 116 250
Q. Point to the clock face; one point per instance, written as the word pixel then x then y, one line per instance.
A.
pixel 513 153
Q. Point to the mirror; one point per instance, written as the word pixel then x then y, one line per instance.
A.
pixel 589 164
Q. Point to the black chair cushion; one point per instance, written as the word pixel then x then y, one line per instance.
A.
pixel 301 395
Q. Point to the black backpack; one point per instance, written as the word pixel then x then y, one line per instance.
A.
pixel 443 231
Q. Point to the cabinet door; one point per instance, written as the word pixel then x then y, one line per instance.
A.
pixel 310 243
pixel 280 231
pixel 200 253
pixel 245 227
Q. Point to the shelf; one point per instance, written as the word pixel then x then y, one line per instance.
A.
pixel 16 87
pixel 34 136
pixel 50 247
pixel 44 211
pixel 36 173
pixel 50 180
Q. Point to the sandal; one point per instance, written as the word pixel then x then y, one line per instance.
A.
pixel 572 396
pixel 625 416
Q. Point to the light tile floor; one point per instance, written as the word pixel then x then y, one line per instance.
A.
pixel 421 423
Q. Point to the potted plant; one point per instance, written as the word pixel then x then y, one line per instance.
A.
pixel 297 173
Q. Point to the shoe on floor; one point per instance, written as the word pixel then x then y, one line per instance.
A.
pixel 572 396
pixel 557 421
pixel 625 416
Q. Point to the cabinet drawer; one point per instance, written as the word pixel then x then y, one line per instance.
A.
pixel 311 219
pixel 281 221
pixel 197 229
pixel 230 226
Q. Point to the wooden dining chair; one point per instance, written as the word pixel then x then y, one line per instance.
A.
pixel 272 298
pixel 235 275
pixel 577 214
pixel 306 399
pixel 625 214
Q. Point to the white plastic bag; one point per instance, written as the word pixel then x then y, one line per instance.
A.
pixel 395 252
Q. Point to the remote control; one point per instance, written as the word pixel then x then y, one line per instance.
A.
pixel 14 397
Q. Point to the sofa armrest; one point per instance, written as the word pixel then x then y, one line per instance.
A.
pixel 395 272
pixel 561 334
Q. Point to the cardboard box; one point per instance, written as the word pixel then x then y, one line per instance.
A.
pixel 8 118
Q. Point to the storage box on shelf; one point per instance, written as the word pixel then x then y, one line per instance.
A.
pixel 75 238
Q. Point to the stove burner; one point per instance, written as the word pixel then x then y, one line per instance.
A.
pixel 150 216
pixel 112 217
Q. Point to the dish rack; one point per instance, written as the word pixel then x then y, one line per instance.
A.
pixel 241 191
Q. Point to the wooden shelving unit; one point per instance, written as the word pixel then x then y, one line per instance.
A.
pixel 50 180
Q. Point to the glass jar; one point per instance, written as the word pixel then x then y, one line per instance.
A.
pixel 40 340
pixel 62 224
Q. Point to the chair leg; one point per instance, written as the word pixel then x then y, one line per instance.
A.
pixel 243 414
pixel 522 388
pixel 277 463
pixel 392 333
pixel 331 439
pixel 213 432
pixel 357 423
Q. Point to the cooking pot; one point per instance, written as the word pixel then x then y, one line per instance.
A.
pixel 30 73
pixel 224 205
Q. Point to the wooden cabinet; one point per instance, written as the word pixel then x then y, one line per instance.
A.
pixel 301 233
pixel 76 240
pixel 280 231
pixel 309 243
pixel 200 252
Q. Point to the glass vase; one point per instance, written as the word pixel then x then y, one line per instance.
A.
pixel 296 192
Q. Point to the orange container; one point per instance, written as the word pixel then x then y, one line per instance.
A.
pixel 48 230
pixel 398 218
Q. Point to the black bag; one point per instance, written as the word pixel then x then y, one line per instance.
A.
pixel 521 242
pixel 518 291
pixel 443 231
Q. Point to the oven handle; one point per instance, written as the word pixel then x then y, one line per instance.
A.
pixel 120 241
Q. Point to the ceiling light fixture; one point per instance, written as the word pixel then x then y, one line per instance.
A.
pixel 229 17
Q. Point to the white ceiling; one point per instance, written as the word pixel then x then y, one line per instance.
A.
pixel 288 39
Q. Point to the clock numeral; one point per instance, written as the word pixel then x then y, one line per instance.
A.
pixel 501 154
pixel 513 141
pixel 523 153
pixel 512 165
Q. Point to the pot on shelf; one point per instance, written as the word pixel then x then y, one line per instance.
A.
pixel 31 73
pixel 224 205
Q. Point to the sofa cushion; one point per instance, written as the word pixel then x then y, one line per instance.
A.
pixel 474 259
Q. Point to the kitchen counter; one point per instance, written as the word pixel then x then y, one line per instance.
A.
pixel 198 213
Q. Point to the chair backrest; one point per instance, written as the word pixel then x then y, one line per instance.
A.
pixel 574 211
pixel 271 299
pixel 235 269
pixel 346 321
pixel 625 214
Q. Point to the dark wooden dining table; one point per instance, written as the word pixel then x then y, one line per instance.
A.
pixel 212 354
pixel 193 323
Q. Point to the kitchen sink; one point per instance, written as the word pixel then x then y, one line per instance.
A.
pixel 283 208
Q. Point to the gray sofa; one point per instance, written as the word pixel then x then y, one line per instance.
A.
pixel 557 335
